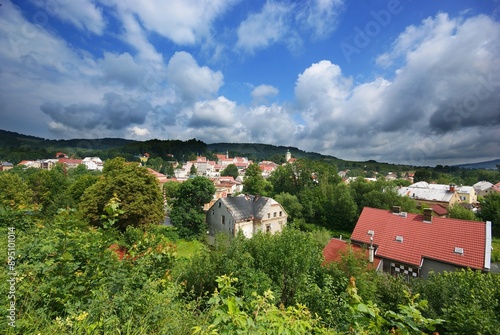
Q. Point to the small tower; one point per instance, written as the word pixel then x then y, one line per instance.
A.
pixel 288 155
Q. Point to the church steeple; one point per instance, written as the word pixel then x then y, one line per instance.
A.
pixel 288 155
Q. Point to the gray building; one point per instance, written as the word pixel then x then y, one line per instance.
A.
pixel 248 213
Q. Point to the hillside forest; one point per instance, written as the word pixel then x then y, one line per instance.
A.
pixel 86 253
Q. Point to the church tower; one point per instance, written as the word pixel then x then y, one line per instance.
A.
pixel 288 156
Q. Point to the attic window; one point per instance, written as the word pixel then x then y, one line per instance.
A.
pixel 371 232
pixel 459 251
pixel 399 238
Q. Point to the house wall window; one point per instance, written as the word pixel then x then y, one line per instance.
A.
pixel 223 219
pixel 274 214
pixel 268 215
pixel 268 228
pixel 281 213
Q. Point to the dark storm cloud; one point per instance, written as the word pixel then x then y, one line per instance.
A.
pixel 114 113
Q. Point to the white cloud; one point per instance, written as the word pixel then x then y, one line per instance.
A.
pixel 319 16
pixel 260 30
pixel 219 112
pixel 446 87
pixel 83 14
pixel 138 131
pixel 261 92
pixel 289 23
pixel 184 22
pixel 190 80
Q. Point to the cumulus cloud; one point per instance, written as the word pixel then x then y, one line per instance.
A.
pixel 262 92
pixel 219 112
pixel 447 84
pixel 191 80
pixel 83 14
pixel 114 112
pixel 278 22
pixel 184 22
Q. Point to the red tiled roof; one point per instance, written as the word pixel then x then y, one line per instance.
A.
pixel 334 250
pixel 440 210
pixel 436 240
pixel 70 161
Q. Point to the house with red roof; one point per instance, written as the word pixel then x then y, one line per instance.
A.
pixel 414 244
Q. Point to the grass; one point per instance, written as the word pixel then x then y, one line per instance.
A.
pixel 495 253
pixel 188 249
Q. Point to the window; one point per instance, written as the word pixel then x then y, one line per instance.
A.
pixel 213 212
pixel 268 228
pixel 220 204
pixel 281 213
pixel 268 215
pixel 274 214
pixel 223 219
pixel 399 238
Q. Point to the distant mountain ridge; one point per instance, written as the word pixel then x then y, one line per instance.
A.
pixel 490 165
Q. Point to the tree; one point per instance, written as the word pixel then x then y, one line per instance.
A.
pixel 291 205
pixel 138 190
pixel 187 213
pixel 169 170
pixel 254 183
pixel 230 170
pixel 490 211
pixel 15 193
pixel 193 171
pixel 459 212
pixel 422 175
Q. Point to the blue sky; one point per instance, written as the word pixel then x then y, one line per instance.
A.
pixel 411 82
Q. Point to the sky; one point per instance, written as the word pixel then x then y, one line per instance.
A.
pixel 408 82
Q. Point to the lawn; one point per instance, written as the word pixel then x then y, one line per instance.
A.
pixel 188 249
pixel 495 253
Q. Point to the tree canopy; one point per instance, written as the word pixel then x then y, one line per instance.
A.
pixel 138 190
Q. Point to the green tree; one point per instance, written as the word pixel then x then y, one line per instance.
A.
pixel 422 175
pixel 254 183
pixel 459 212
pixel 490 211
pixel 14 191
pixel 138 190
pixel 230 170
pixel 291 205
pixel 187 213
pixel 169 170
pixel 193 171
pixel 345 210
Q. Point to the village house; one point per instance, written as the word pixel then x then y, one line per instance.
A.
pixel 4 166
pixel 246 213
pixel 413 245
pixel 484 188
pixel 426 194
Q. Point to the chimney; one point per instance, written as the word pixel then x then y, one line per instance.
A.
pixel 396 209
pixel 427 214
pixel 452 188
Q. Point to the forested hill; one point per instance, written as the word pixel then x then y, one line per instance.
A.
pixel 15 147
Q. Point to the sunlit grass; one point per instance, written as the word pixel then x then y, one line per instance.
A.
pixel 495 253
pixel 188 249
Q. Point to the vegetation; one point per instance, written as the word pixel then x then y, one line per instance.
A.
pixel 91 257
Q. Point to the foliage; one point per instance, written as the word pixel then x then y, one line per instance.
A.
pixel 468 300
pixel 291 205
pixel 459 212
pixel 187 213
pixel 138 190
pixel 256 314
pixel 14 191
pixel 254 183
pixel 230 170
pixel 490 211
